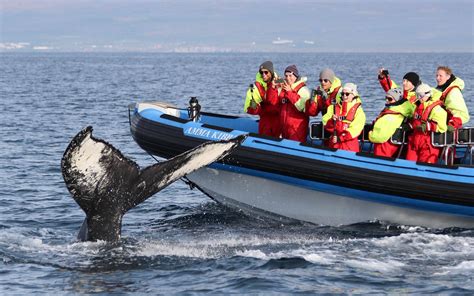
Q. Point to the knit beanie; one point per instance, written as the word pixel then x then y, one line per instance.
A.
pixel 293 69
pixel 268 65
pixel 352 88
pixel 423 90
pixel 413 78
pixel 394 93
pixel 327 74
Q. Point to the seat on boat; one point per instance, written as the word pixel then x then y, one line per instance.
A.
pixel 364 142
pixel 465 136
pixel 450 142
pixel 399 137
pixel 317 132
pixel 442 139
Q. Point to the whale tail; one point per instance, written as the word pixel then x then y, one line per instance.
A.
pixel 106 184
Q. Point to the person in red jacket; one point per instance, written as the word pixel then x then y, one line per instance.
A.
pixel 325 94
pixel 293 97
pixel 262 100
pixel 345 120
pixel 429 117
pixel 451 88
pixel 388 121
pixel 410 81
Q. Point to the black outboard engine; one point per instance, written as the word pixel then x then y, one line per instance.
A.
pixel 194 109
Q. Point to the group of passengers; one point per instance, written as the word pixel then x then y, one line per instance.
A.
pixel 285 106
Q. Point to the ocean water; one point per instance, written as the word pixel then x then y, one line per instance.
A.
pixel 180 241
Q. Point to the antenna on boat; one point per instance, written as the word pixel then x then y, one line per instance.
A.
pixel 194 109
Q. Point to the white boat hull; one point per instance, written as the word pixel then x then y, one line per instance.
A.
pixel 266 197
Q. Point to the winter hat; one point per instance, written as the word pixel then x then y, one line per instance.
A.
pixel 413 78
pixel 293 69
pixel 423 90
pixel 327 74
pixel 351 87
pixel 268 65
pixel 394 93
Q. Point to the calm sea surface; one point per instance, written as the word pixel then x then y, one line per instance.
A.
pixel 180 241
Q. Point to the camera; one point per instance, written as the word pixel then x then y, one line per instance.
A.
pixel 318 92
pixel 279 80
pixel 385 72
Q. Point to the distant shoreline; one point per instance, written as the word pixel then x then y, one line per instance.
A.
pixel 236 52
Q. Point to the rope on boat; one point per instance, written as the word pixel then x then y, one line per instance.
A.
pixel 184 179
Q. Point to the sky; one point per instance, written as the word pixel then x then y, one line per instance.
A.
pixel 237 25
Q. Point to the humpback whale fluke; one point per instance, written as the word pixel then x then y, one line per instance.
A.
pixel 106 184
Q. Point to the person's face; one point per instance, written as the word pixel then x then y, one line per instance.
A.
pixel 407 85
pixel 389 100
pixel 266 75
pixel 424 98
pixel 290 77
pixel 325 84
pixel 347 95
pixel 441 77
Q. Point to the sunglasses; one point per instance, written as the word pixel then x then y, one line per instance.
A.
pixel 264 72
pixel 389 99
pixel 343 94
pixel 324 80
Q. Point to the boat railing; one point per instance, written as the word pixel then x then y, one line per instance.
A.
pixel 448 142
pixel 465 136
pixel 317 132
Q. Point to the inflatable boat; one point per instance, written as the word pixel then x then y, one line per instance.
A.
pixel 287 180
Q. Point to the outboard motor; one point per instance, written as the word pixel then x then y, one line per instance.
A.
pixel 194 109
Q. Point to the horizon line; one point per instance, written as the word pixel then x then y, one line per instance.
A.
pixel 218 52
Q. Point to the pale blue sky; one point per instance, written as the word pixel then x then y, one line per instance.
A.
pixel 237 25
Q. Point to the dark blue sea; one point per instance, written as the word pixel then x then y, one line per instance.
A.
pixel 180 241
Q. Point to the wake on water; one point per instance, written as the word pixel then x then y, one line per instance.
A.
pixel 234 234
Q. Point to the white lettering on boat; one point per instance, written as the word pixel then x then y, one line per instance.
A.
pixel 210 134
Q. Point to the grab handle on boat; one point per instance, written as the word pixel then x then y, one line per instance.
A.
pixel 194 109
pixel 131 110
